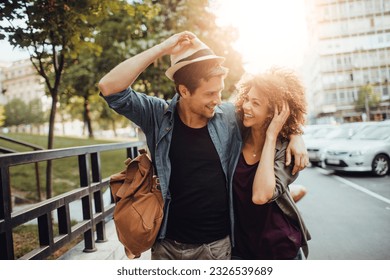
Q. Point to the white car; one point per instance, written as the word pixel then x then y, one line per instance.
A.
pixel 367 150
pixel 321 140
pixel 315 130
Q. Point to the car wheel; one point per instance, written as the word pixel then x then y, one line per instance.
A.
pixel 380 165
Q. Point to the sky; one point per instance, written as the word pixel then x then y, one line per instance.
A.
pixel 8 53
pixel 271 32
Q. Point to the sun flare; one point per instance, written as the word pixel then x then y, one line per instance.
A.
pixel 270 32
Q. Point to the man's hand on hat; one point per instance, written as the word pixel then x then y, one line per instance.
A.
pixel 177 43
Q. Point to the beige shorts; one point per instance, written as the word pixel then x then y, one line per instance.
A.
pixel 168 249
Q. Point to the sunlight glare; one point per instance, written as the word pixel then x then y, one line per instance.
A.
pixel 270 32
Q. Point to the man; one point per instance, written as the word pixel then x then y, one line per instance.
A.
pixel 194 141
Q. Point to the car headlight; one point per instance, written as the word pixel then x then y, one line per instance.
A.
pixel 356 153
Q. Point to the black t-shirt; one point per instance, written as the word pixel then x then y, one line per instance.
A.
pixel 198 211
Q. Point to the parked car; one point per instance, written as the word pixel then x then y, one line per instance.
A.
pixel 316 130
pixel 321 140
pixel 367 150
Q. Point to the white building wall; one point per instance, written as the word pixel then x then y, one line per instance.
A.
pixel 351 42
pixel 20 80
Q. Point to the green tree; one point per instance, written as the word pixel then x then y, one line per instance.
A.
pixel 132 28
pixel 2 115
pixel 117 36
pixel 52 30
pixel 18 112
pixel 367 99
pixel 15 112
pixel 35 115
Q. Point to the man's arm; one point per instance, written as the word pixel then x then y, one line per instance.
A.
pixel 297 149
pixel 125 73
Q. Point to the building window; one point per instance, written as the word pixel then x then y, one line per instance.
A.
pixel 372 22
pixel 385 91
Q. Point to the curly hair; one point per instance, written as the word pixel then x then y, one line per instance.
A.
pixel 276 85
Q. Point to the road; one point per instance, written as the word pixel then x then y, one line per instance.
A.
pixel 347 215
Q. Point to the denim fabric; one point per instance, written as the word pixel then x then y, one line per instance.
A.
pixel 155 116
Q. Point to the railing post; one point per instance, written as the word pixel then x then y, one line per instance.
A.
pixel 45 228
pixel 6 239
pixel 98 197
pixel 38 181
pixel 64 224
pixel 132 152
pixel 86 203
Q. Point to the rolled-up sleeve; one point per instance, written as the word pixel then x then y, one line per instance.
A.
pixel 137 107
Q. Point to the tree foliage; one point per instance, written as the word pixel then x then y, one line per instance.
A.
pixel 14 112
pixel 2 115
pixel 367 97
pixel 17 112
pixel 52 30
pixel 74 43
pixel 115 36
pixel 132 28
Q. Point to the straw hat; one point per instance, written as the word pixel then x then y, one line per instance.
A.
pixel 197 51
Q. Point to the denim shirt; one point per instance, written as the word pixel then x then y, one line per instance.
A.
pixel 155 116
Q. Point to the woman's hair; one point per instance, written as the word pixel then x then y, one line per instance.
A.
pixel 191 75
pixel 276 85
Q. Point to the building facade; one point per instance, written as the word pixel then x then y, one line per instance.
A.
pixel 349 48
pixel 19 79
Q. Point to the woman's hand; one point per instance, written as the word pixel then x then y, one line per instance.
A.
pixel 278 120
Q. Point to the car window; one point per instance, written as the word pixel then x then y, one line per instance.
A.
pixel 341 132
pixel 374 132
pixel 322 132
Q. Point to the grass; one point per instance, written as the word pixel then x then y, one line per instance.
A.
pixel 65 171
pixel 65 178
pixel 26 239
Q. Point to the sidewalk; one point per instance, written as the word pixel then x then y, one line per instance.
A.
pixel 112 249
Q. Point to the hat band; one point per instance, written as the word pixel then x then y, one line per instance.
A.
pixel 198 54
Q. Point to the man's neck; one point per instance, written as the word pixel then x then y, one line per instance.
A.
pixel 190 119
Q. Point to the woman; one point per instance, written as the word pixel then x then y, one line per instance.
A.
pixel 271 106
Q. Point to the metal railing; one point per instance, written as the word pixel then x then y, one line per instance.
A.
pixel 28 145
pixel 94 212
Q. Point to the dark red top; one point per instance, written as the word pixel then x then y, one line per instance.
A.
pixel 261 231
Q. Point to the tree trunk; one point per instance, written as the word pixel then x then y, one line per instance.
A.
pixel 367 107
pixel 49 166
pixel 87 119
pixel 114 127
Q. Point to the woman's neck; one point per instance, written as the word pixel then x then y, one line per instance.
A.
pixel 254 144
pixel 257 137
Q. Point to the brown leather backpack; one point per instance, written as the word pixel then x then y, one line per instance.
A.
pixel 139 205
